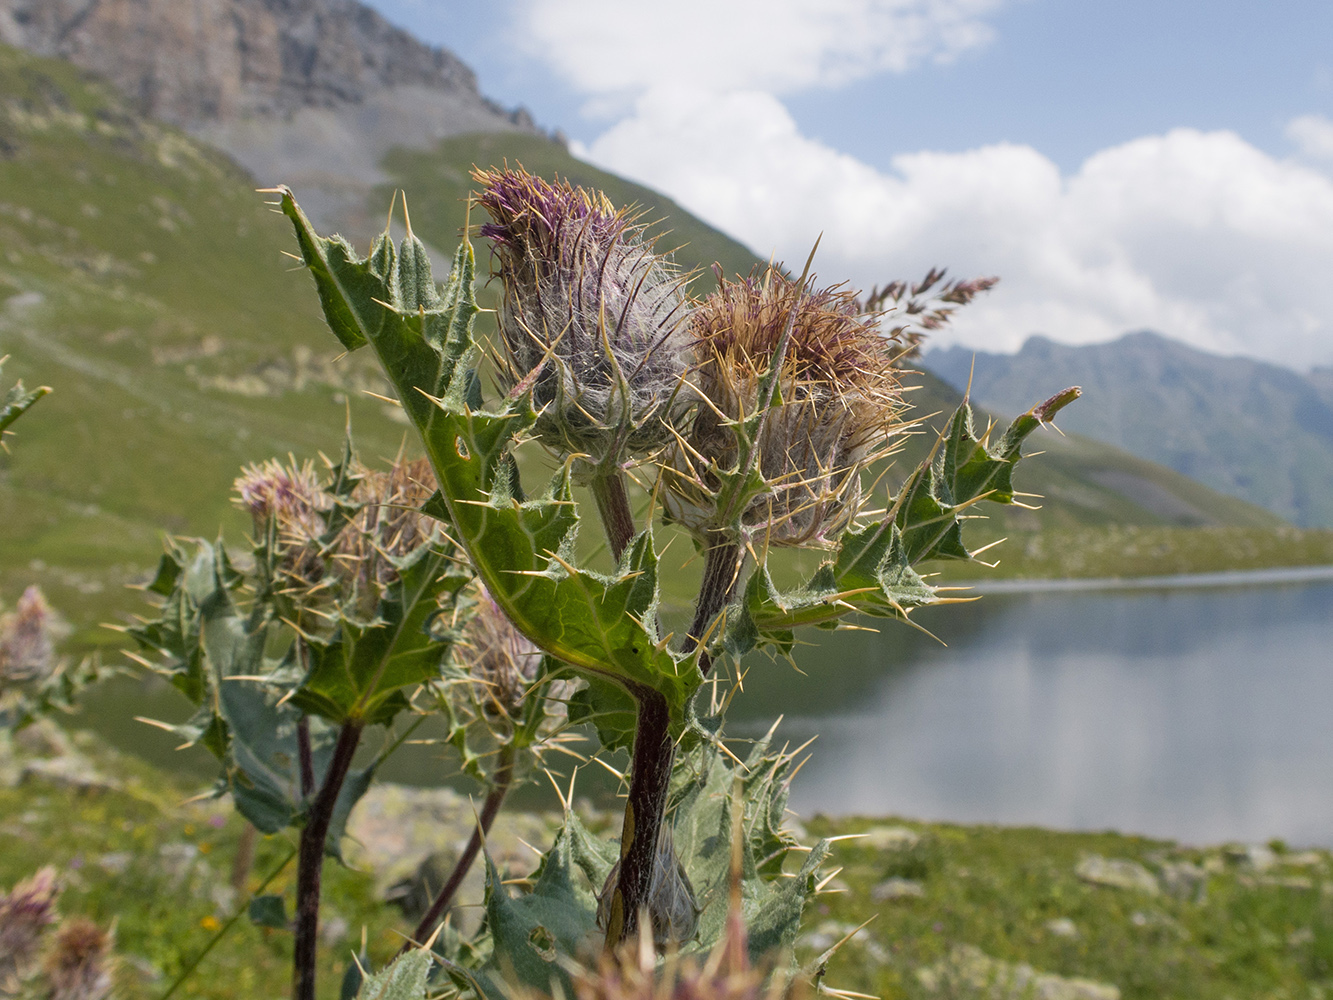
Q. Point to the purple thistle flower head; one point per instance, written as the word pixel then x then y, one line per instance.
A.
pixel 592 319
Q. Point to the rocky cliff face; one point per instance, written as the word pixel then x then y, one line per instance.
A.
pixel 310 93
pixel 196 61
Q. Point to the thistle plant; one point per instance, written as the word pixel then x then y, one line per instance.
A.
pixel 329 632
pixel 759 410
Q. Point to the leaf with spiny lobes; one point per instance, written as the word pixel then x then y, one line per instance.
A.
pixel 704 790
pixel 17 401
pixel 188 582
pixel 522 549
pixel 405 979
pixel 361 672
pixel 242 722
pixel 873 571
pixel 535 934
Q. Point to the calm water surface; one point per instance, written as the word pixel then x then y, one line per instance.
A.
pixel 1201 715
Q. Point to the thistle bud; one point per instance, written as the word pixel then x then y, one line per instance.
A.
pixel 591 319
pixel 836 407
pixel 26 648
pixel 289 499
pixel 25 914
pixel 387 526
pixel 672 905
pixel 502 661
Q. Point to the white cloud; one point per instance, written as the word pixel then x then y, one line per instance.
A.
pixel 611 47
pixel 1198 235
pixel 1313 136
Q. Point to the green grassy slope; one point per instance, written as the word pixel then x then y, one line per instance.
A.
pixel 141 277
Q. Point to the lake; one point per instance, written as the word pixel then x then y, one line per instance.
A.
pixel 1201 714
pixel 1197 714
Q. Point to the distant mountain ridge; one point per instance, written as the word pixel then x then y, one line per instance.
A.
pixel 1246 428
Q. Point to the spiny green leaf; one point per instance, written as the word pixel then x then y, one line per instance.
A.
pixel 873 571
pixel 360 674
pixel 17 401
pixel 405 979
pixel 531 932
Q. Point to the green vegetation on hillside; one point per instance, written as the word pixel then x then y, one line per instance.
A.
pixel 142 279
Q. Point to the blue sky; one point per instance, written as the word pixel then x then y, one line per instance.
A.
pixel 1121 166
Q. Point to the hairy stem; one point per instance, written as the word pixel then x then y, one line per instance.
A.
pixel 720 564
pixel 307 757
pixel 310 861
pixel 613 505
pixel 504 776
pixel 650 778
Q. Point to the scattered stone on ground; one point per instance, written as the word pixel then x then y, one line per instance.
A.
pixel 1062 927
pixel 889 838
pixel 897 888
pixel 1294 883
pixel 1304 859
pixel 824 936
pixel 1184 880
pixel 44 751
pixel 1256 857
pixel 395 830
pixel 967 971
pixel 1116 873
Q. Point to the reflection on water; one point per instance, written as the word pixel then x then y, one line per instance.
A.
pixel 1199 715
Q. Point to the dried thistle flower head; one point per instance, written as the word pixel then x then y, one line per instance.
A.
pixel 388 526
pixel 338 549
pixel 27 650
pixel 592 317
pixel 502 661
pixel 837 406
pixel 78 966
pixel 25 914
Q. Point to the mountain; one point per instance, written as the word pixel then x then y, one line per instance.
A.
pixel 1246 428
pixel 311 93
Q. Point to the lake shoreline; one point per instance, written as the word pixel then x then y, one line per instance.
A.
pixel 1227 578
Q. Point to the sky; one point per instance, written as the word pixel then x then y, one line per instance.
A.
pixel 1120 166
